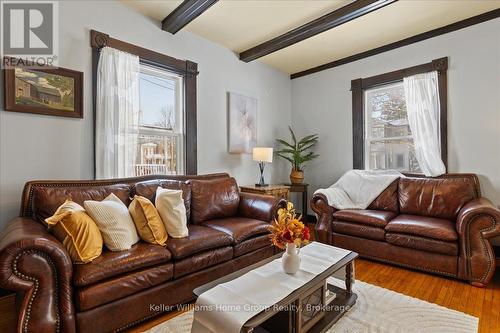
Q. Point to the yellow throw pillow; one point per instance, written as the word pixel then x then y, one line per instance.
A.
pixel 77 231
pixel 147 221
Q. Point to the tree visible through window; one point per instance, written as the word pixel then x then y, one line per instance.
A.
pixel 161 143
pixel 388 138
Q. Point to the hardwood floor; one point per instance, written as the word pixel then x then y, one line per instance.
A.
pixel 483 303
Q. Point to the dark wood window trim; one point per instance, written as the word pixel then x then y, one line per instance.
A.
pixel 186 68
pixel 358 87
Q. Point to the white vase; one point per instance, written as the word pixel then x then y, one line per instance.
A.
pixel 290 260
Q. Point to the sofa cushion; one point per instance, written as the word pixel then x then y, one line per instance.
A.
pixel 202 260
pixel 111 264
pixel 358 230
pixel 119 287
pixel 214 199
pixel 148 189
pixel 251 244
pixel 200 239
pixel 388 199
pixel 374 218
pixel 436 197
pixel 423 243
pixel 423 226
pixel 46 200
pixel 239 228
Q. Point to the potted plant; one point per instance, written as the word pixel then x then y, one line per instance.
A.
pixel 297 153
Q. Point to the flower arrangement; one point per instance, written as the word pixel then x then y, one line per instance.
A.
pixel 288 229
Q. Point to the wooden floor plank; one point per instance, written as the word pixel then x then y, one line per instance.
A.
pixel 483 303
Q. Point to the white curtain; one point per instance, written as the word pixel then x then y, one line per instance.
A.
pixel 422 104
pixel 117 113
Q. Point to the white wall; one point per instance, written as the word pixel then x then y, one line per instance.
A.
pixel 44 147
pixel 321 103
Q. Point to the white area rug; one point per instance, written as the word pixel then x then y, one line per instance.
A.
pixel 377 310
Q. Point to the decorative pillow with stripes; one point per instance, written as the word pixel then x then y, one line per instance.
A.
pixel 114 221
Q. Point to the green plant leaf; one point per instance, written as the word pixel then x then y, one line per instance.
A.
pixel 286 158
pixel 286 151
pixel 293 136
pixel 309 137
pixel 284 143
pixel 308 147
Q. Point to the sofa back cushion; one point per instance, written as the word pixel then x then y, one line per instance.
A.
pixel 435 197
pixel 387 200
pixel 46 199
pixel 148 188
pixel 212 199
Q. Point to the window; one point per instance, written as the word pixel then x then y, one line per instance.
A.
pixel 388 139
pixel 164 138
pixel 382 137
pixel 160 145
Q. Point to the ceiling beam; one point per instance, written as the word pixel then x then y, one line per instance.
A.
pixel 326 22
pixel 404 42
pixel 187 11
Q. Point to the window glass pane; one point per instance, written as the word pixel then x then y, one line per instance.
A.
pixel 160 144
pixel 393 154
pixel 157 100
pixel 156 154
pixel 385 110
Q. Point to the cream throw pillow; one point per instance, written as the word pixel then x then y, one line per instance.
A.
pixel 114 221
pixel 170 205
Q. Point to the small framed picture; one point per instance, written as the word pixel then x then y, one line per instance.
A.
pixel 49 91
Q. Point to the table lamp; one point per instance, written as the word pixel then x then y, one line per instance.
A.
pixel 262 155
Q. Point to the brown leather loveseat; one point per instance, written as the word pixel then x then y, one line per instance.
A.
pixel 227 231
pixel 440 225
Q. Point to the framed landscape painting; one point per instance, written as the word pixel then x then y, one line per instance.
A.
pixel 242 123
pixel 48 91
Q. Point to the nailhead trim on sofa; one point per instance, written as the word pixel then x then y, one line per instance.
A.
pixel 36 285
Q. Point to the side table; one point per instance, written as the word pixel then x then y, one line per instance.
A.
pixel 300 188
pixel 274 190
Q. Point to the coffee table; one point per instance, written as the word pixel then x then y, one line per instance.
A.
pixel 305 309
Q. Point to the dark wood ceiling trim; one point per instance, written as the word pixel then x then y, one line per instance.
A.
pixel 404 42
pixel 187 11
pixel 326 22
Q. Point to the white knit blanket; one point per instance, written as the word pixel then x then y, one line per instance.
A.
pixel 357 189
pixel 226 307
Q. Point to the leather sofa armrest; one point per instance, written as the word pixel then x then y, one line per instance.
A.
pixel 477 222
pixel 260 207
pixel 324 212
pixel 35 264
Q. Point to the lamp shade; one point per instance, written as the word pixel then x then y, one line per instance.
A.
pixel 263 154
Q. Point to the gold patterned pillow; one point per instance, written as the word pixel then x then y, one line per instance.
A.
pixel 79 234
pixel 147 221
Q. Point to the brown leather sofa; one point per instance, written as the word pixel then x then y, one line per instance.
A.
pixel 440 225
pixel 120 289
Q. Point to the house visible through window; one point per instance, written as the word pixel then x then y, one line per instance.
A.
pixel 388 138
pixel 383 120
pixel 160 144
